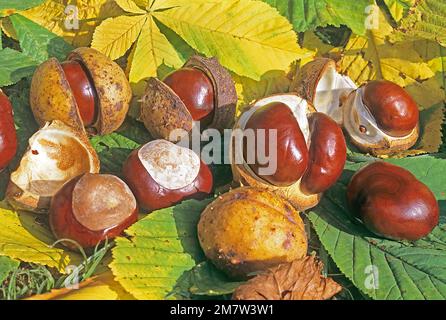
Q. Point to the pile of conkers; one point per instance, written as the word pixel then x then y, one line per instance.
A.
pixel 250 228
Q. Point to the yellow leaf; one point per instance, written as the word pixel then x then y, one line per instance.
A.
pixel 55 16
pixel 130 6
pixel 101 287
pixel 248 37
pixel 24 239
pixel 152 49
pixel 116 35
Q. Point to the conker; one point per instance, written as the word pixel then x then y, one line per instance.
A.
pixel 8 135
pixel 381 118
pixel 292 151
pixel 200 91
pixel 195 89
pixel 89 91
pixel 161 174
pixel 83 90
pixel 391 202
pixel 91 208
pixel 310 149
pixel 394 110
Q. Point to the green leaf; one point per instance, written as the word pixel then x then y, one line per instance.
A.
pixel 7 265
pixel 160 249
pixel 310 14
pixel 37 42
pixel 207 280
pixel 404 270
pixel 399 8
pixel 14 65
pixel 113 149
pixel 8 7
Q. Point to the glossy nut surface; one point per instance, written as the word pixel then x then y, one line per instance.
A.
pixel 8 135
pixel 161 174
pixel 392 203
pixel 83 90
pixel 292 151
pixel 195 89
pixel 327 155
pixel 91 208
pixel 394 110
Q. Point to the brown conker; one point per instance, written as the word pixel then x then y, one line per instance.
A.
pixel 394 110
pixel 195 89
pixel 161 174
pixel 292 151
pixel 391 202
pixel 92 208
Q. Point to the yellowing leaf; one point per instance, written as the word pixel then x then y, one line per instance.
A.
pixel 130 6
pixel 399 8
pixel 24 239
pixel 116 35
pixel 426 20
pixel 249 37
pixel 152 49
pixel 56 16
pixel 102 287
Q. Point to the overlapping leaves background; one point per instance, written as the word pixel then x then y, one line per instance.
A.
pixel 262 43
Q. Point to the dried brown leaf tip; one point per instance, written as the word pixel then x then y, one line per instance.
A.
pixel 297 280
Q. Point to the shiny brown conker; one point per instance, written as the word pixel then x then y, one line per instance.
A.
pixel 161 174
pixel 92 208
pixel 195 89
pixel 391 202
pixel 327 155
pixel 292 151
pixel 394 110
pixel 8 135
pixel 83 90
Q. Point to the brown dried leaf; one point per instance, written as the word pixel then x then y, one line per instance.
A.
pixel 297 280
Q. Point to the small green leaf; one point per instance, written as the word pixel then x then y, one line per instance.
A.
pixel 19 5
pixel 7 265
pixel 310 14
pixel 207 280
pixel 14 65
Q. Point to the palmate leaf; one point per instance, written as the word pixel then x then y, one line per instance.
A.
pixel 14 65
pixel 248 37
pixel 161 248
pixel 385 269
pixel 309 14
pixel 8 7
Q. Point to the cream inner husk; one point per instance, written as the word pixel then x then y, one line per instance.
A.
pixel 171 166
pixel 54 157
pixel 298 106
pixel 331 89
pixel 356 114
